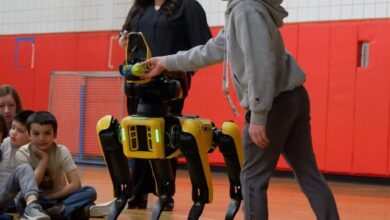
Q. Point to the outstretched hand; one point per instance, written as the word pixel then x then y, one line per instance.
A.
pixel 155 65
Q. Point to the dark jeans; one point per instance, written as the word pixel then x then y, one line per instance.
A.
pixel 86 195
pixel 288 129
pixel 5 217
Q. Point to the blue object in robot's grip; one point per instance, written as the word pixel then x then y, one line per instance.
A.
pixel 125 70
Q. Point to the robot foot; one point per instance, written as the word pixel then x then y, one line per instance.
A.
pixel 117 208
pixel 159 207
pixel 196 211
pixel 234 206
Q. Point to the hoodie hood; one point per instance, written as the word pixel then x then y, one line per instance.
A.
pixel 277 12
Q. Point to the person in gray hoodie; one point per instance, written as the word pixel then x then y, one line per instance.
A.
pixel 269 84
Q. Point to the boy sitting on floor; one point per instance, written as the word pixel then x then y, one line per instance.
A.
pixel 55 171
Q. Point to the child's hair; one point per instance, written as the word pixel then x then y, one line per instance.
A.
pixel 22 116
pixel 42 118
pixel 3 127
pixel 7 89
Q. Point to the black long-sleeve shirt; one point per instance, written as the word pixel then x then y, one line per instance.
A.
pixel 185 28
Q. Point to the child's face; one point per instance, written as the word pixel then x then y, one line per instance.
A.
pixel 8 107
pixel 42 136
pixel 18 134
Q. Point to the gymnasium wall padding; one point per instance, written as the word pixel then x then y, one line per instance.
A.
pixel 341 95
pixel 371 139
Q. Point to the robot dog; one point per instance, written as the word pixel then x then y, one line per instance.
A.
pixel 154 134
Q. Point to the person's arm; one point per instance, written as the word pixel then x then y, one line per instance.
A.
pixel 23 156
pixel 200 56
pixel 40 170
pixel 72 177
pixel 74 183
pixel 197 57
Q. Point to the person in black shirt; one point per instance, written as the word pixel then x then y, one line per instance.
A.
pixel 168 26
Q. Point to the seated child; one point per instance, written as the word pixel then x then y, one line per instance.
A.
pixel 55 170
pixel 18 178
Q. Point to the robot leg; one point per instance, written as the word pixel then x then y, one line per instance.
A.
pixel 165 186
pixel 195 141
pixel 229 141
pixel 108 132
pixel 162 168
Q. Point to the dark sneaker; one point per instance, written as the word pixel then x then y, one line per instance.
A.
pixel 20 205
pixel 56 210
pixel 100 210
pixel 34 211
pixel 170 204
pixel 138 202
pixel 82 214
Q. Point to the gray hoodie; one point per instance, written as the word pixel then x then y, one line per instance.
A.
pixel 260 66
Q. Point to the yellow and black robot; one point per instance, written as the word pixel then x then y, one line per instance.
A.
pixel 154 134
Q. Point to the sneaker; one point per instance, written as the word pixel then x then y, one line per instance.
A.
pixel 138 202
pixel 20 204
pixel 34 211
pixel 101 210
pixel 170 204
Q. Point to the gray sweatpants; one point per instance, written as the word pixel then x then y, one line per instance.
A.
pixel 21 179
pixel 288 129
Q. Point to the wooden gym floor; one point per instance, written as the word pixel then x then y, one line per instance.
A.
pixel 355 201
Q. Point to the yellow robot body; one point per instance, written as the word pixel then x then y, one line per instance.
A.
pixel 103 123
pixel 143 137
